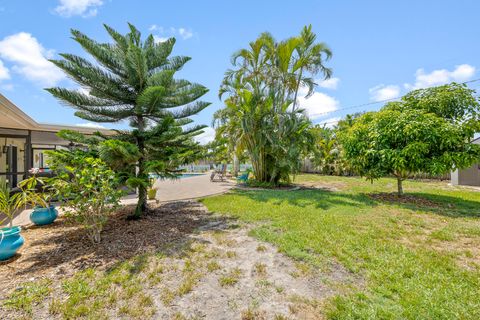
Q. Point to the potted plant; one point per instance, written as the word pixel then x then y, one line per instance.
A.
pixel 40 195
pixel 152 193
pixel 10 238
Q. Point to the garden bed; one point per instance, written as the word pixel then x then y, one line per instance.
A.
pixel 61 249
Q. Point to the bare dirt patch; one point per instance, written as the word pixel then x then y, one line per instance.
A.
pixel 405 199
pixel 183 263
pixel 251 278
pixel 331 186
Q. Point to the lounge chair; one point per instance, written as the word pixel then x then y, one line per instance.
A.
pixel 219 174
pixel 243 178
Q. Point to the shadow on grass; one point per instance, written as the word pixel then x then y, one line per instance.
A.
pixel 64 249
pixel 444 205
pixel 449 206
pixel 318 198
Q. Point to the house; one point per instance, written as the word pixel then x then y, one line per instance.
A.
pixel 469 176
pixel 23 141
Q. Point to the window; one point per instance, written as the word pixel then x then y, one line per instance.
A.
pixel 12 159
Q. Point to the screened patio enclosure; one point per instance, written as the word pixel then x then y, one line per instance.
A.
pixel 21 150
pixel 23 142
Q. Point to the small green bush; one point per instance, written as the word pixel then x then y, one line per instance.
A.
pixel 88 187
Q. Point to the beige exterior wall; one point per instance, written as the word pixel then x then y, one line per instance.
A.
pixel 47 138
pixel 469 176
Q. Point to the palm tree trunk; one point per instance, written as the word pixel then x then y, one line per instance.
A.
pixel 296 89
pixel 236 163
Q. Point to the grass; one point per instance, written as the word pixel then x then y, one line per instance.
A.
pixel 231 278
pixel 251 314
pixel 121 291
pixel 416 260
pixel 213 266
pixel 91 294
pixel 230 254
pixel 261 248
pixel 260 269
pixel 25 297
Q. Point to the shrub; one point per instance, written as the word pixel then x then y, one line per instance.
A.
pixel 89 189
pixel 9 203
pixel 37 191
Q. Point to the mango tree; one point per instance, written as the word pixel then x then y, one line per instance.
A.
pixel 429 131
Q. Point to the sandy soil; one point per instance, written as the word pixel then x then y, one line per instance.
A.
pixel 212 268
pixel 269 284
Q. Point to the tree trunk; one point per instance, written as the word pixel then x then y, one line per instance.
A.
pixel 296 89
pixel 236 164
pixel 400 186
pixel 142 191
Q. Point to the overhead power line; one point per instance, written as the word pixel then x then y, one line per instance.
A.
pixel 373 103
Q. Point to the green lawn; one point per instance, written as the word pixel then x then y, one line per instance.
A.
pixel 417 261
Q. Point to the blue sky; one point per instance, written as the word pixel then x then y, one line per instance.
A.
pixel 381 49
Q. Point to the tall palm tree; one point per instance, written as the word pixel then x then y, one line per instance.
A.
pixel 311 59
pixel 132 80
pixel 262 89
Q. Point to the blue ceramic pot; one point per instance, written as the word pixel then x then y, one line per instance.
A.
pixel 42 216
pixel 10 242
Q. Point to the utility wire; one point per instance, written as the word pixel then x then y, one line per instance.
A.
pixel 373 103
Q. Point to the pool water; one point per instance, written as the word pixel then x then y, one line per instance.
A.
pixel 181 176
pixel 189 175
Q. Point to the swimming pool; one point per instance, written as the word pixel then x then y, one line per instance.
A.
pixel 181 176
pixel 189 175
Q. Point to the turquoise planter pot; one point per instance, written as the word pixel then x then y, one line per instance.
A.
pixel 10 242
pixel 42 216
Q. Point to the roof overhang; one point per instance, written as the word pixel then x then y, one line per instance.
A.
pixel 12 117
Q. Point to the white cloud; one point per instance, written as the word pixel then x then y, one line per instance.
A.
pixel 461 73
pixel 207 136
pixel 317 104
pixel 163 34
pixel 90 125
pixel 331 83
pixel 4 73
pixel 383 92
pixel 159 39
pixel 330 122
pixel 29 58
pixel 154 27
pixel 85 8
pixel 184 33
